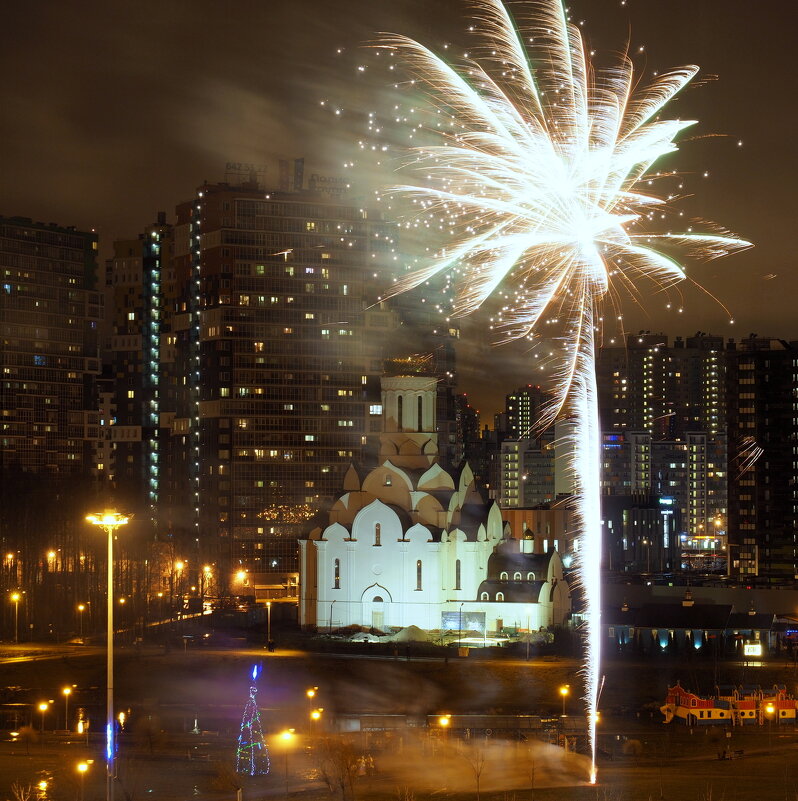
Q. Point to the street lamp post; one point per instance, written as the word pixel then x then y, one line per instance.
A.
pixel 82 768
pixel 528 633
pixel 268 624
pixel 460 626
pixel 331 608
pixel 67 691
pixel 287 736
pixel 43 706
pixel 109 521
pixel 311 694
pixel 15 598
pixel 769 710
pixel 443 722
pixel 81 610
pixel 564 691
pixel 315 717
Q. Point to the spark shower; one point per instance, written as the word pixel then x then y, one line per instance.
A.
pixel 539 179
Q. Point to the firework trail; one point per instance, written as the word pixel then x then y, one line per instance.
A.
pixel 538 177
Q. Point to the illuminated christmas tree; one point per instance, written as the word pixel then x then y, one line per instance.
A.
pixel 252 756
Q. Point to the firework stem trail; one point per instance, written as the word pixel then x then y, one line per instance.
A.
pixel 536 187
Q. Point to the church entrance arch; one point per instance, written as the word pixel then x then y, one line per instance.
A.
pixel 376 601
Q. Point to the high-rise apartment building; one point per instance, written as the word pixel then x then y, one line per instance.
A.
pixel 686 480
pixel 663 411
pixel 49 313
pixel 527 472
pixel 271 356
pixel 649 385
pixel 763 459
pixel 524 409
pixel 131 419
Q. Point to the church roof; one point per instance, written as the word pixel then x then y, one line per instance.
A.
pixel 402 514
pixel 441 495
pixel 509 560
pixel 519 592
pixel 472 516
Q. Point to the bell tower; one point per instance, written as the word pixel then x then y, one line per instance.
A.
pixel 408 437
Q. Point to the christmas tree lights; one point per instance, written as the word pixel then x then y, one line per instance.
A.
pixel 252 755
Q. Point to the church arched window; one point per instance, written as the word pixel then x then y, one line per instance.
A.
pixel 457 575
pixel 503 576
pixel 377 533
pixel 499 596
pixel 418 574
pixel 337 574
pixel 530 576
pixel 516 577
pixel 483 596
pixel 399 405
pixel 420 422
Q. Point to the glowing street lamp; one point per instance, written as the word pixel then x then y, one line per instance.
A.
pixel 564 692
pixel 311 693
pixel 67 691
pixel 15 596
pixel 315 717
pixel 770 709
pixel 82 767
pixel 109 521
pixel 43 707
pixel 81 610
pixel 268 624
pixel 287 736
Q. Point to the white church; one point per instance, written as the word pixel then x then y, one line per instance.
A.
pixel 409 543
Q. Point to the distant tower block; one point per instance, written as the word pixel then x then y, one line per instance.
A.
pixel 409 437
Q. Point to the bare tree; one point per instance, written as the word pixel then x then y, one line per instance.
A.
pixel 21 792
pixel 28 735
pixel 225 778
pixel 338 762
pixel 475 757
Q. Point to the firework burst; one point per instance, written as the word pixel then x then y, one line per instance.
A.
pixel 539 181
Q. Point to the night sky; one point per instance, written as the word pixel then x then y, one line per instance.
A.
pixel 112 111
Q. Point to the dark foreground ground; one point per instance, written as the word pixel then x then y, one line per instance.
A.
pixel 168 695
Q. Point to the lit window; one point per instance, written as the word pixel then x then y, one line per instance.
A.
pixel 131 393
